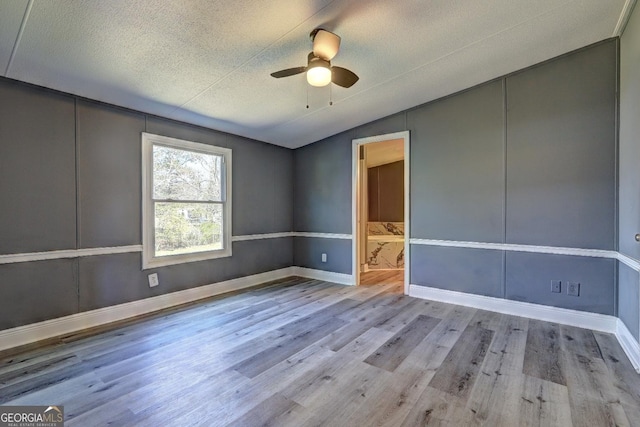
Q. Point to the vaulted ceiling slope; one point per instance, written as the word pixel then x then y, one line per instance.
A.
pixel 207 62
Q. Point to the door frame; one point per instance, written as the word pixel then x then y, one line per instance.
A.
pixel 356 195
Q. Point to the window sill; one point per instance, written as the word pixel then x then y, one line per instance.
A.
pixel 150 263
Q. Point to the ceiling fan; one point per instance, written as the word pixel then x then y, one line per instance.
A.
pixel 319 70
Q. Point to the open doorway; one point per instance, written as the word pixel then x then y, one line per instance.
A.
pixel 381 210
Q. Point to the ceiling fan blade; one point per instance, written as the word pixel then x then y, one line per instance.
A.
pixel 343 77
pixel 325 44
pixel 288 72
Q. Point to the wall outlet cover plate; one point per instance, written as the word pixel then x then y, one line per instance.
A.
pixel 573 289
pixel 153 280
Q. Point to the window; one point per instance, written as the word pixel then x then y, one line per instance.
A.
pixel 186 209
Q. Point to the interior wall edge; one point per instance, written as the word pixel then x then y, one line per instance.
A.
pixel 625 16
pixel 629 261
pixel 629 344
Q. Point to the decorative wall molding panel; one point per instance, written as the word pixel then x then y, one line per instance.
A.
pixel 291 234
pixel 261 236
pixel 597 253
pixel 629 262
pixel 75 253
pixel 68 253
pixel 323 235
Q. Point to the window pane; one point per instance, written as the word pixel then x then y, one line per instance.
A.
pixel 187 227
pixel 186 175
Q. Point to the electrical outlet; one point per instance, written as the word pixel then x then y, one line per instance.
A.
pixel 556 286
pixel 153 280
pixel 324 257
pixel 573 289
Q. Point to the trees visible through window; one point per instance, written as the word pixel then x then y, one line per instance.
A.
pixel 187 201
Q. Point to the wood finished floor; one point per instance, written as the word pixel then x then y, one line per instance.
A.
pixel 305 352
pixel 379 277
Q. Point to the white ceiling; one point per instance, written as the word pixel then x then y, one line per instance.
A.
pixel 208 62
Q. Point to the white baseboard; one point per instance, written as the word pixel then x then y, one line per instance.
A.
pixel 34 332
pixel 327 276
pixel 628 344
pixel 581 319
pixel 27 334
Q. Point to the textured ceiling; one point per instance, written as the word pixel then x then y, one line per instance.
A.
pixel 208 62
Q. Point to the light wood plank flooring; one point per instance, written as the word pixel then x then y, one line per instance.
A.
pixel 304 353
pixel 383 277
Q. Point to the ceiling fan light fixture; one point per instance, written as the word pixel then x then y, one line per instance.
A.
pixel 319 73
pixel 319 70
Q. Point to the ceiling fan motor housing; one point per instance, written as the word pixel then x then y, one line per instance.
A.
pixel 316 61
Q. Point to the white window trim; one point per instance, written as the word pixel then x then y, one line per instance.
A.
pixel 148 220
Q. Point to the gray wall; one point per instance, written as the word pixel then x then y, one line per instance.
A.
pixel 308 253
pixel 526 159
pixel 70 178
pixel 561 130
pixel 322 203
pixel 322 188
pixel 561 177
pixel 629 295
pixel 37 170
pixel 629 190
pixel 457 167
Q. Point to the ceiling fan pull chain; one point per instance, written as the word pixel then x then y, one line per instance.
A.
pixel 330 95
pixel 307 96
